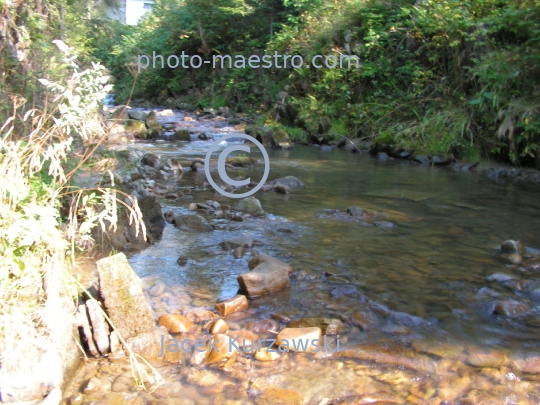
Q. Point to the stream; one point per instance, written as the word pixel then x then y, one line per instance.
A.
pixel 429 332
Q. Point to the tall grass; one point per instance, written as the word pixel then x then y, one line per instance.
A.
pixel 37 164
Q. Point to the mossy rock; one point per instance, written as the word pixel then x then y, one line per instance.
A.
pixel 154 128
pixel 181 135
pixel 241 161
pixel 136 128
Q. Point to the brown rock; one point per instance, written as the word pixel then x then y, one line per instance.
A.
pixel 264 325
pixel 526 363
pixel 234 304
pixel 280 396
pixel 510 308
pixel 199 315
pixel 358 319
pixel 218 326
pixel 328 326
pixel 176 323
pixel 262 258
pixel 123 297
pixel 487 359
pixel 265 355
pixel 219 349
pixel 244 338
pixel 300 340
pixel 239 252
pixel 265 278
pixel 280 317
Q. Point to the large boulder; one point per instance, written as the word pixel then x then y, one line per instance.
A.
pixel 138 115
pixel 154 128
pixel 192 222
pixel 123 296
pixel 152 216
pixel 249 205
pixel 289 181
pixel 267 277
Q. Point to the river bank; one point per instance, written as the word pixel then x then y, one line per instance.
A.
pixel 403 258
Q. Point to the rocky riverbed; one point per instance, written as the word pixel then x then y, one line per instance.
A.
pixel 428 275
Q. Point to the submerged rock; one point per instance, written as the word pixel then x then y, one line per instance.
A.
pixel 218 326
pixel 264 355
pixel 192 222
pixel 289 181
pixel 300 340
pixel 123 297
pixel 509 308
pixel 513 246
pixel 264 325
pixel 328 326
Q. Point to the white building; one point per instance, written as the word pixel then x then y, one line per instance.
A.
pixel 130 11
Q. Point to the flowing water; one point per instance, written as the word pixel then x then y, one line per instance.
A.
pixel 430 269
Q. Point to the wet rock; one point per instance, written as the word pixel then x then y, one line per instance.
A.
pixel 281 189
pixel 182 260
pixel 123 296
pixel 239 252
pixel 299 339
pixel 176 323
pixel 241 161
pixel 234 304
pixel 384 225
pixel 242 241
pixel 422 159
pixel 509 308
pixel 192 222
pixel 491 358
pixel 360 320
pixel 355 211
pixel 534 290
pixel 280 317
pixel 328 326
pixel 181 135
pixel 441 160
pixel 220 349
pixel 513 246
pixel 218 326
pixel 525 362
pixel 148 345
pixel 263 258
pixel 197 166
pixel 264 325
pixel 347 291
pixel 152 216
pixel 249 205
pixel 100 327
pixel 244 338
pixel 273 396
pixel 136 129
pixel 515 258
pixel 149 159
pixel 291 182
pixel 264 355
pixel 389 354
pixel 265 278
pixel 154 128
pixel 501 277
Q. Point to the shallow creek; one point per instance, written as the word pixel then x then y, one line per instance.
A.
pixel 432 265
